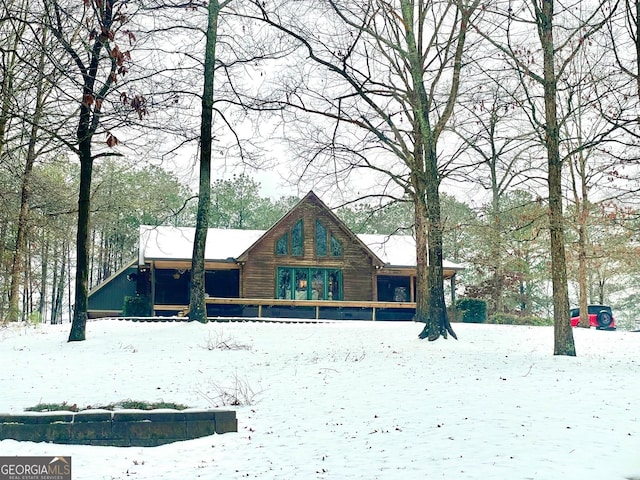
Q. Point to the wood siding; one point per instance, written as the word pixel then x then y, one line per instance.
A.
pixel 261 262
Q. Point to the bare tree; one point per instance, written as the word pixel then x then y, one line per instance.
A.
pixel 35 121
pixel 587 162
pixel 624 33
pixel 557 49
pixel 624 94
pixel 87 35
pixel 25 126
pixel 197 305
pixel 12 27
pixel 498 145
pixel 242 56
pixel 388 77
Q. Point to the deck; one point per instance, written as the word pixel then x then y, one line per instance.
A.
pixel 318 309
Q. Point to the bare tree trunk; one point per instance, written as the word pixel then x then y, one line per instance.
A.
pixel 496 244
pixel 636 26
pixel 54 287
pixel 429 247
pixel 197 304
pixel 422 272
pixel 68 277
pixel 59 281
pixel 578 170
pixel 4 293
pixel 601 285
pixel 44 273
pixel 437 305
pixel 79 322
pixel 563 335
pixel 583 215
pixel 28 287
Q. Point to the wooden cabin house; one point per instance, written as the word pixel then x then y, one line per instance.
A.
pixel 309 264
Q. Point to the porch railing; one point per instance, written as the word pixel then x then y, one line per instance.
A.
pixel 265 304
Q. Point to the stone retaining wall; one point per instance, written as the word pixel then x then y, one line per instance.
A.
pixel 122 428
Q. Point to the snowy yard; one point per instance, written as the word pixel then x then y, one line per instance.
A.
pixel 343 400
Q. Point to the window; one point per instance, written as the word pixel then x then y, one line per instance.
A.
pixel 317 285
pixel 301 285
pixel 394 288
pixel 282 245
pixel 284 283
pixel 309 283
pixel 321 240
pixel 336 247
pixel 297 239
pixel 334 285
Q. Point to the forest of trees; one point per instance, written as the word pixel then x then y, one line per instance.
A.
pixel 385 107
pixel 125 199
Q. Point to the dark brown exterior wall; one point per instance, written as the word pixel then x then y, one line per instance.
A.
pixel 259 271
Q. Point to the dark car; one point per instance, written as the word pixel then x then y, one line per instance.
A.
pixel 600 316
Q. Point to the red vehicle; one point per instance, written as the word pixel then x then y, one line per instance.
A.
pixel 600 316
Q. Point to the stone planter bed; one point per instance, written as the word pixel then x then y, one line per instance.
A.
pixel 122 428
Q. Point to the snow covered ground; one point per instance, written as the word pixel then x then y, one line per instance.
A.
pixel 343 400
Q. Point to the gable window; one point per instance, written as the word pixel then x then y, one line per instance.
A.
pixel 309 283
pixel 336 247
pixel 282 245
pixel 297 239
pixel 321 239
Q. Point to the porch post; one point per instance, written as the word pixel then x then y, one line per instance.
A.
pixel 453 290
pixel 153 287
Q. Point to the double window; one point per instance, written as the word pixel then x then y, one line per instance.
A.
pixel 326 244
pixel 303 283
pixel 296 248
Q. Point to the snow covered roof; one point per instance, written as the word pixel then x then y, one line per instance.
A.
pixel 397 250
pixel 176 243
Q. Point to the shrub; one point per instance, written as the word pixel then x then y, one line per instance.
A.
pixel 35 318
pixel 509 319
pixel 124 404
pixel 474 310
pixel 53 407
pixel 224 343
pixel 239 394
pixel 137 306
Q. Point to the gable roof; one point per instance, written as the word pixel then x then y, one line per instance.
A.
pixel 231 245
pixel 312 198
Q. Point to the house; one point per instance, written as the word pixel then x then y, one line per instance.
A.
pixel 309 264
